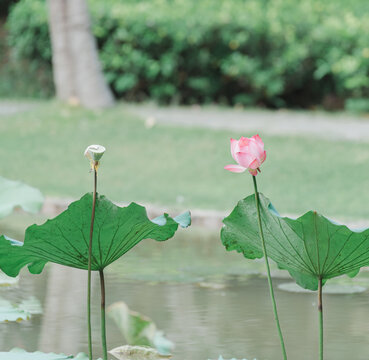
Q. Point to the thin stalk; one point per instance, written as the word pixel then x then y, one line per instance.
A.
pixel 103 326
pixel 89 268
pixel 320 311
pixel 271 291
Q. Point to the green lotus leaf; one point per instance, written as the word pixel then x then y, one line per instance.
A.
pixel 64 240
pixel 310 247
pixel 19 354
pixel 15 193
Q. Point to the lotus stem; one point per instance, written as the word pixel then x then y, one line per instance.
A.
pixel 320 311
pixel 103 322
pixel 89 268
pixel 271 291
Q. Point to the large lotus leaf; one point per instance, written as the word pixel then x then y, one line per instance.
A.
pixel 19 354
pixel 64 240
pixel 310 247
pixel 15 193
pixel 138 329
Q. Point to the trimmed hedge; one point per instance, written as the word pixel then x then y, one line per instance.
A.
pixel 265 52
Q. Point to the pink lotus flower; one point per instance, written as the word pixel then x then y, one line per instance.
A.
pixel 248 153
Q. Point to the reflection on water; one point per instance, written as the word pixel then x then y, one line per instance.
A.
pixel 235 320
pixel 64 305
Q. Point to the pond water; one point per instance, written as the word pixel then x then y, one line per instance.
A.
pixel 208 302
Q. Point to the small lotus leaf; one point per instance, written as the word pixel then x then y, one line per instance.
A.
pixel 20 354
pixel 138 329
pixel 31 305
pixel 9 312
pixel 64 240
pixel 221 358
pixel 129 352
pixel 15 193
pixel 310 247
pixel 6 280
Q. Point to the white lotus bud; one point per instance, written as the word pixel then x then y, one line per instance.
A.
pixel 94 153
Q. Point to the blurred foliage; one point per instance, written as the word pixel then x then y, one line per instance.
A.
pixel 5 6
pixel 251 52
pixel 19 80
pixel 23 76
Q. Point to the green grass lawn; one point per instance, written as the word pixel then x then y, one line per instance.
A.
pixel 178 167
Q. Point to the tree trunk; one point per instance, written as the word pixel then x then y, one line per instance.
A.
pixel 77 71
pixel 61 56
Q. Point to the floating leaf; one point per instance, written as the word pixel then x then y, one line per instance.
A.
pixel 15 193
pixel 129 352
pixel 6 280
pixel 310 247
pixel 9 312
pixel 82 356
pixel 211 285
pixel 31 305
pixel 64 239
pixel 335 289
pixel 221 358
pixel 138 329
pixel 19 354
pixel 161 343
pixel 18 313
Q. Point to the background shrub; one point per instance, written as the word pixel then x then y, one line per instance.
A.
pixel 275 53
pixel 5 6
pixel 24 74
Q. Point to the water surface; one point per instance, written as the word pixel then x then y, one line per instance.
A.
pixel 209 302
